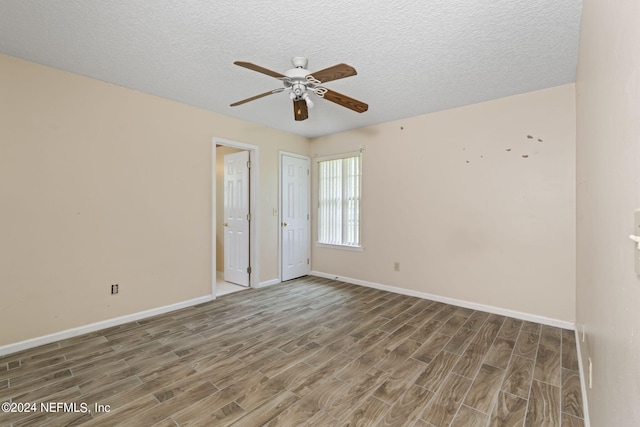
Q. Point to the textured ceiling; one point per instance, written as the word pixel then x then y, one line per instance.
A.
pixel 412 57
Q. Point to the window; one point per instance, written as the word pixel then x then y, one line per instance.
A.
pixel 339 200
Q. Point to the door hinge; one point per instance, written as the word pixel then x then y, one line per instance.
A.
pixel 307 261
pixel 249 164
pixel 307 172
pixel 248 217
pixel 307 217
pixel 248 270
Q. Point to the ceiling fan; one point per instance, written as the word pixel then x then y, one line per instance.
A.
pixel 300 83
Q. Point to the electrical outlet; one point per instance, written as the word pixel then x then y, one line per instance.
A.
pixel 114 289
pixel 396 266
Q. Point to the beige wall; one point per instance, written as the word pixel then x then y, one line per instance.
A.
pixel 450 196
pixel 608 192
pixel 100 184
pixel 220 153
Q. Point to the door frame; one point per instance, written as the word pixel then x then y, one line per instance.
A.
pixel 300 156
pixel 253 211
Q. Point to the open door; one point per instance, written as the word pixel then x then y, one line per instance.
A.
pixel 236 218
pixel 295 227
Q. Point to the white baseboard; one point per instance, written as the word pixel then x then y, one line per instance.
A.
pixel 583 380
pixel 268 283
pixel 460 303
pixel 92 327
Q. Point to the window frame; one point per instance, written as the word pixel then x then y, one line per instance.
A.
pixel 317 161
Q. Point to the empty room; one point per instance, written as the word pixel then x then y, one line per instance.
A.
pixel 278 213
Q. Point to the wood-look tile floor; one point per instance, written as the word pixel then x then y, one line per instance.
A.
pixel 310 352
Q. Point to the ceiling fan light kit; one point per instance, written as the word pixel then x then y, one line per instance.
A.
pixel 300 83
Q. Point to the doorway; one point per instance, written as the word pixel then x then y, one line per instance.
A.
pixel 295 228
pixel 234 217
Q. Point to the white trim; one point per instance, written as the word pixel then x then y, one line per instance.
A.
pixel 460 303
pixel 268 283
pixel 254 235
pixel 92 327
pixel 337 156
pixel 583 383
pixel 341 247
pixel 235 144
pixel 296 155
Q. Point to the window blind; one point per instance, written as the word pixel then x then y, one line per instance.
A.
pixel 339 201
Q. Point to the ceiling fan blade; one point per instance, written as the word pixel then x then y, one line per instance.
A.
pixel 259 69
pixel 256 97
pixel 300 111
pixel 345 101
pixel 336 72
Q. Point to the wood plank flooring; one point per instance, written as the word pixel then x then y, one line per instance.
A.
pixel 310 352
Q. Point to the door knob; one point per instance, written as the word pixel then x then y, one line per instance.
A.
pixel 284 224
pixel 225 224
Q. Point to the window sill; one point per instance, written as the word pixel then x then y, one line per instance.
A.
pixel 341 247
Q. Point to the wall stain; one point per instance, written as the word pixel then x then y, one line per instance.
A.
pixel 524 156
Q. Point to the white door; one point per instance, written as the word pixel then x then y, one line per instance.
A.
pixel 295 228
pixel 236 218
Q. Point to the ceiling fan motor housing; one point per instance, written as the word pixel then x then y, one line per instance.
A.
pixel 296 79
pixel 297 73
